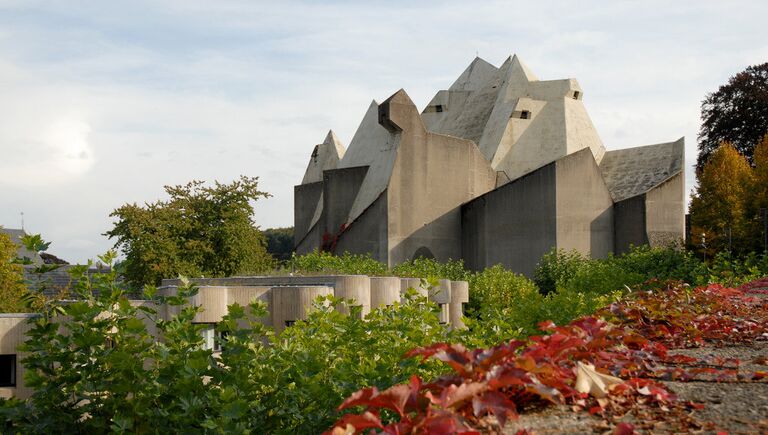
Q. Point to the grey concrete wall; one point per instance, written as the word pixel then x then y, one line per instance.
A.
pixel 368 233
pixel 664 212
pixel 584 206
pixel 433 174
pixel 340 187
pixel 312 240
pixel 306 198
pixel 513 225
pixel 629 224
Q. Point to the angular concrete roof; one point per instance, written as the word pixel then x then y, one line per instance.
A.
pixel 633 171
pixel 519 122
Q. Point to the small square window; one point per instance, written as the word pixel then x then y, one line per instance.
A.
pixel 439 108
pixel 576 95
pixel 7 370
pixel 289 323
pixel 525 114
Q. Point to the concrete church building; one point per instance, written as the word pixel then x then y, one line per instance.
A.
pixel 499 168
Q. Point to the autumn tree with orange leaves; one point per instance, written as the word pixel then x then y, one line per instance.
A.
pixel 729 201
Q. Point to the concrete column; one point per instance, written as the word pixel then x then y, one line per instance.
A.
pixel 459 296
pixel 357 287
pixel 290 304
pixel 385 290
pixel 414 283
pixel 442 297
pixel 243 295
pixel 167 311
pixel 213 300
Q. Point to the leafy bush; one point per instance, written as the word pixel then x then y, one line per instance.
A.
pixel 309 369
pixel 325 262
pixel 431 268
pixel 555 267
pixel 663 263
pixel 94 367
pixel 730 270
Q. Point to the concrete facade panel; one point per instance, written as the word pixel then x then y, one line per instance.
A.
pixel 513 225
pixel 306 199
pixel 385 291
pixel 664 212
pixel 368 233
pixel 629 227
pixel 340 188
pixel 584 206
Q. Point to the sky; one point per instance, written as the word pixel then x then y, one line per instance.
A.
pixel 103 103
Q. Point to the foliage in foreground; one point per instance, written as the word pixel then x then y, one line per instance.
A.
pixel 199 231
pixel 508 378
pixel 94 367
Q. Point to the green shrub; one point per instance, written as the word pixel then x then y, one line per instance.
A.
pixel 498 287
pixel 730 270
pixel 567 304
pixel 310 368
pixel 663 263
pixel 557 266
pixel 431 268
pixel 348 264
pixel 94 368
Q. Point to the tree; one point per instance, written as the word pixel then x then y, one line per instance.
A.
pixel 758 201
pixel 12 288
pixel 737 113
pixel 719 205
pixel 199 231
pixel 280 242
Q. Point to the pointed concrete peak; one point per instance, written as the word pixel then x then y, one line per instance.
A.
pixel 332 140
pixel 400 97
pixel 507 63
pixel 480 61
pixel 517 64
pixel 475 75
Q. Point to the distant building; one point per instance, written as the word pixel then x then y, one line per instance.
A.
pixel 499 168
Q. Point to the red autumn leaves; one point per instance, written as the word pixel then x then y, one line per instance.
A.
pixel 515 376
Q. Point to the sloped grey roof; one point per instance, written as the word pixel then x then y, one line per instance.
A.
pixel 632 171
pixel 22 252
pixel 53 282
